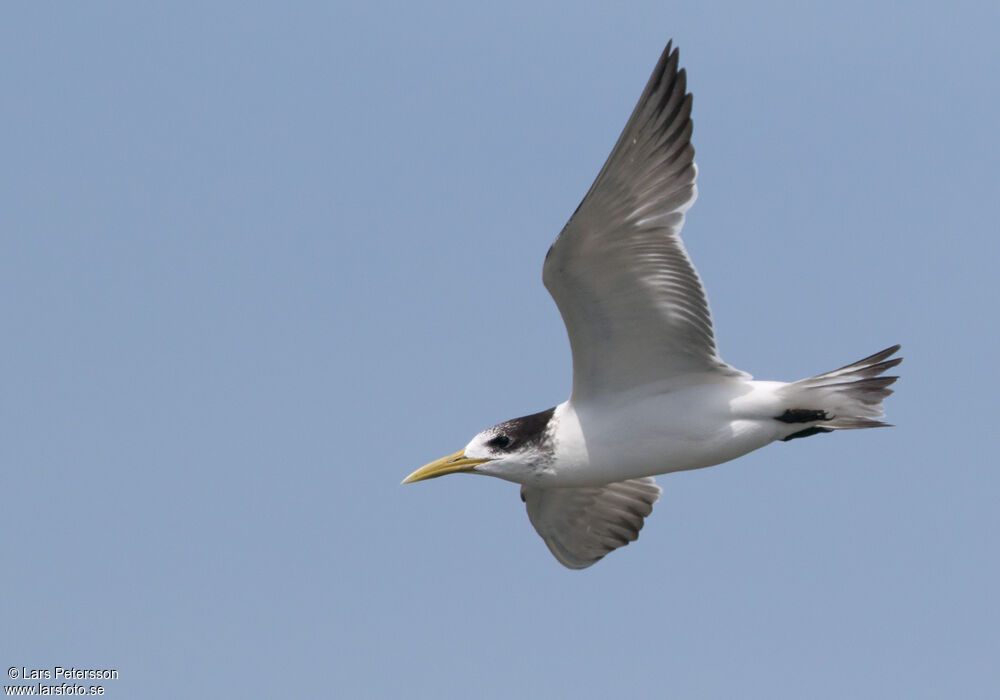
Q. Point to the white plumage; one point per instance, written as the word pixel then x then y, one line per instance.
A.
pixel 650 393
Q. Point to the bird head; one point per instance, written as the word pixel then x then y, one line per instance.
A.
pixel 512 450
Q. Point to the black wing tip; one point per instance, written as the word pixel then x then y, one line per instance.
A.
pixel 668 71
pixel 672 54
pixel 669 60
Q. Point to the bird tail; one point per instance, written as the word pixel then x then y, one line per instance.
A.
pixel 843 399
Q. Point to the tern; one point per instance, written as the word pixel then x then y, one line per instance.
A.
pixel 650 393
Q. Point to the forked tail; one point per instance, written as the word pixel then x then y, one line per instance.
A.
pixel 844 399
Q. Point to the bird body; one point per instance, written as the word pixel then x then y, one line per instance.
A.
pixel 694 427
pixel 697 426
pixel 651 395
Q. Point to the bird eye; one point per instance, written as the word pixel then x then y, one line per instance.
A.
pixel 500 442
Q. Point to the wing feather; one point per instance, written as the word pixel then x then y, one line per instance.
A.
pixel 632 302
pixel 581 525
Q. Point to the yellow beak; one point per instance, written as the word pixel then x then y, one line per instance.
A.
pixel 457 462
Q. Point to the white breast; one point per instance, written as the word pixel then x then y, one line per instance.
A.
pixel 637 435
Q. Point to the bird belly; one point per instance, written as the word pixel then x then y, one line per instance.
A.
pixel 688 429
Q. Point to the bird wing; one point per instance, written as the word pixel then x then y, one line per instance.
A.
pixel 632 302
pixel 580 525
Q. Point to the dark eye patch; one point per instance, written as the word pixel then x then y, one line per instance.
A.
pixel 500 442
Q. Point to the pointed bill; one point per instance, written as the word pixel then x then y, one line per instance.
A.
pixel 451 464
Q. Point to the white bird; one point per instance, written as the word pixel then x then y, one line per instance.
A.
pixel 650 393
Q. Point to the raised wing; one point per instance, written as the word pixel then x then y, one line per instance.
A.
pixel 632 301
pixel 581 525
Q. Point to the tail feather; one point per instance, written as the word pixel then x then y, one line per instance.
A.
pixel 851 395
pixel 871 366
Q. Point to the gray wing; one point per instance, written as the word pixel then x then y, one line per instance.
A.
pixel 631 300
pixel 580 525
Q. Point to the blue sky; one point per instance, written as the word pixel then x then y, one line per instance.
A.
pixel 257 263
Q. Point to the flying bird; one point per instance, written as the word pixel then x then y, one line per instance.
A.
pixel 650 393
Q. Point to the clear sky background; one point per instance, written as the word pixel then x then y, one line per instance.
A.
pixel 260 261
